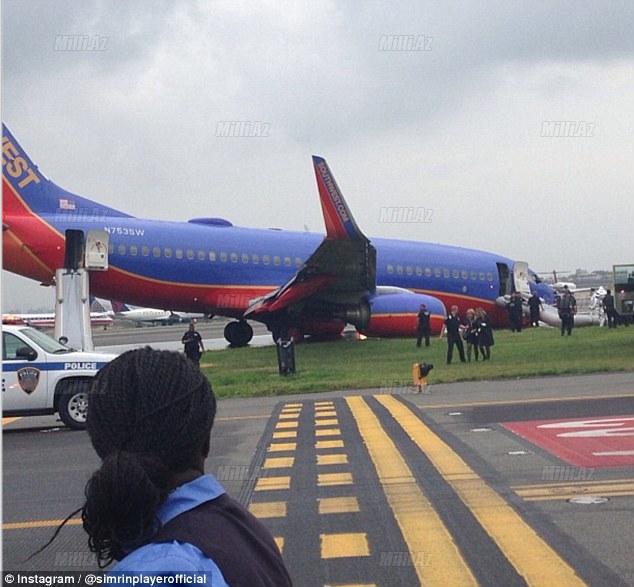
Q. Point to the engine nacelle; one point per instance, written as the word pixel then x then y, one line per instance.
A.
pixel 395 314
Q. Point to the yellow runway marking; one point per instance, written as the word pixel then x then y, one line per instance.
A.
pixel 328 414
pixel 281 446
pixel 422 528
pixel 328 444
pixel 268 509
pixel 331 479
pixel 6 421
pixel 332 459
pixel 531 556
pixel 344 545
pixel 278 462
pixel 289 434
pixel 279 540
pixel 272 483
pixel 288 416
pixel 329 422
pixel 338 505
pixel 328 432
pixel 282 425
pixel 39 524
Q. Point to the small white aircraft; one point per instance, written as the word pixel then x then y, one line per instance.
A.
pixel 151 316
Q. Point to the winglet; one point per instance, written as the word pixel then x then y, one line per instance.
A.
pixel 340 224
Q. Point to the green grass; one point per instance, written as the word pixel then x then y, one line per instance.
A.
pixel 376 363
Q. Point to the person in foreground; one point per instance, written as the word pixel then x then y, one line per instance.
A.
pixel 150 506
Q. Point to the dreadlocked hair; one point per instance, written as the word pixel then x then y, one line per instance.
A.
pixel 150 414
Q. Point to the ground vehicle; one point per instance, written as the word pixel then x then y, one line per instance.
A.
pixel 623 276
pixel 42 376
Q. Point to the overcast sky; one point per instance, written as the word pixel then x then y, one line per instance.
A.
pixel 454 125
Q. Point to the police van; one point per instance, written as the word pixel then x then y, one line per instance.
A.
pixel 42 376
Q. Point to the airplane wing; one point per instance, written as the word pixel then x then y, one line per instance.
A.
pixel 339 275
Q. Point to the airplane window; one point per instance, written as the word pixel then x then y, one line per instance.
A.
pixel 234 257
pixel 474 276
pixel 298 261
pixel 121 249
pixel 489 276
pixel 481 276
pixel 276 260
pixel 455 273
pixel 399 269
pixel 465 275
pixel 156 251
pixel 390 268
pixel 133 250
pixel 419 271
pixel 409 270
pixel 255 259
pixel 190 254
pixel 223 257
pixel 437 272
pixel 179 253
pixel 201 255
pixel 168 253
pixel 245 258
pixel 110 249
pixel 266 259
pixel 145 251
pixel 287 261
pixel 427 272
pixel 212 256
pixel 446 273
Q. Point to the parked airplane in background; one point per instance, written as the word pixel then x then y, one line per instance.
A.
pixel 296 283
pixel 151 316
pixel 47 320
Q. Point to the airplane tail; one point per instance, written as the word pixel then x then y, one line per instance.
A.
pixel 26 191
pixel 340 224
pixel 118 307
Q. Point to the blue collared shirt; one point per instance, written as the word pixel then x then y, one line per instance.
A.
pixel 170 557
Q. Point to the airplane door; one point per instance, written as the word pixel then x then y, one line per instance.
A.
pixel 520 278
pixel 24 383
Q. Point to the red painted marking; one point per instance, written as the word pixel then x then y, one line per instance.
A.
pixel 599 441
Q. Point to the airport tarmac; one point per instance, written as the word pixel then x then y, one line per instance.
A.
pixel 467 485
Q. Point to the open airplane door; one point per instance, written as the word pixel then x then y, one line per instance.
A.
pixel 520 278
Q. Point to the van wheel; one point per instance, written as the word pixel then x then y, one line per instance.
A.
pixel 73 403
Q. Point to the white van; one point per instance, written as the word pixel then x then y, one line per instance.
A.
pixel 42 376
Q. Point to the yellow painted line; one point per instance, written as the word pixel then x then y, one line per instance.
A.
pixel 280 446
pixel 279 540
pixel 344 545
pixel 278 462
pixel 293 405
pixel 272 483
pixel 323 403
pixel 288 416
pixel 328 444
pixel 332 459
pixel 520 401
pixel 422 528
pixel 6 421
pixel 338 505
pixel 268 509
pixel 531 556
pixel 329 422
pixel 331 479
pixel 288 434
pixel 328 432
pixel 39 524
pixel 282 425
pixel 328 414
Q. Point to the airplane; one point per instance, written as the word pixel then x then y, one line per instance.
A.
pixel 296 283
pixel 47 320
pixel 151 316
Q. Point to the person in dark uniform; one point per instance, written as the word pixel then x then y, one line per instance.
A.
pixel 567 310
pixel 424 327
pixel 452 325
pixel 485 334
pixel 150 505
pixel 514 308
pixel 534 305
pixel 471 334
pixel 194 347
pixel 610 310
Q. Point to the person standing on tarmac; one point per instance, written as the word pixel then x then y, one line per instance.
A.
pixel 194 347
pixel 453 327
pixel 424 328
pixel 535 305
pixel 610 310
pixel 567 311
pixel 150 506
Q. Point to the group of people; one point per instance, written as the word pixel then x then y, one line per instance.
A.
pixel 515 310
pixel 477 332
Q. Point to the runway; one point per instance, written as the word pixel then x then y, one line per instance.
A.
pixel 368 488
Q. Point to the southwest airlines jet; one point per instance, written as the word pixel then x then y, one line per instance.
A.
pixel 296 283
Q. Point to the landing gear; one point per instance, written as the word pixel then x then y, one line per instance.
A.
pixel 238 334
pixel 287 333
